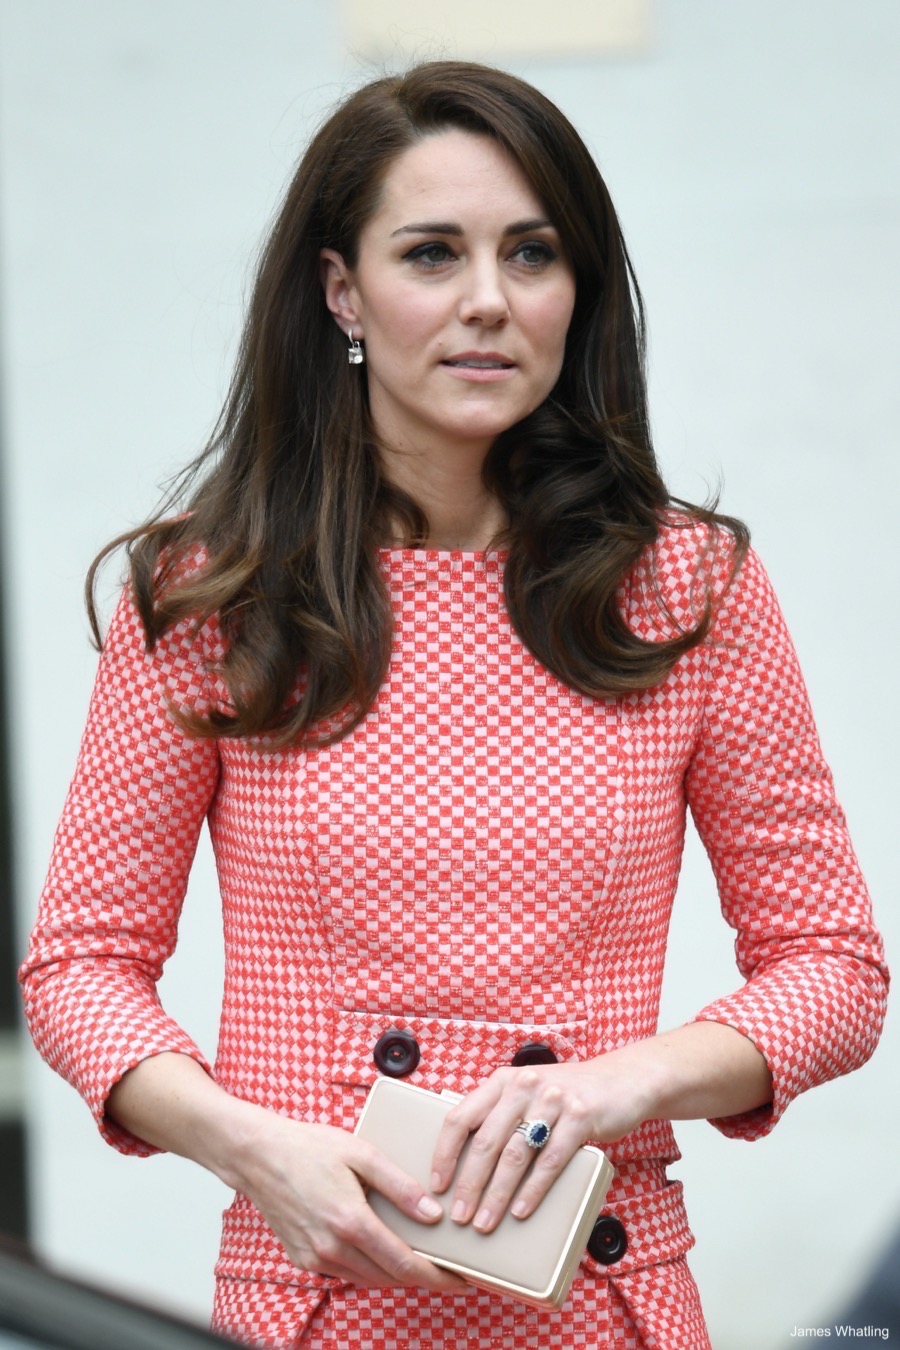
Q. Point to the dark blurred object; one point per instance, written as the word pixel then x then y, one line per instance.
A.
pixel 39 1308
pixel 877 1303
pixel 13 1192
pixel 872 1317
pixel 9 992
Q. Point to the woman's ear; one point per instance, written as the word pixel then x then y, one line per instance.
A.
pixel 340 292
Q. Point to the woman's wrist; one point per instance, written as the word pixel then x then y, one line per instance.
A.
pixel 698 1071
pixel 171 1102
pixel 230 1143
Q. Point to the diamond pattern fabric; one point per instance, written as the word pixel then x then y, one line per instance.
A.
pixel 488 859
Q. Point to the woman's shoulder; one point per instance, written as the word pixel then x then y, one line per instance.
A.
pixel 690 567
pixel 165 587
pixel 181 558
pixel 702 546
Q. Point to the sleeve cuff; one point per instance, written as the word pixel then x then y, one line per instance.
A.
pixel 116 1135
pixel 812 1019
pixel 761 1120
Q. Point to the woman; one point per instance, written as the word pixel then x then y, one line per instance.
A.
pixel 443 663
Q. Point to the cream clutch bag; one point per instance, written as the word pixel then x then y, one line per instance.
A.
pixel 533 1260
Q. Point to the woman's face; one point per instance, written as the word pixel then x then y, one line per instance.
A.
pixel 462 294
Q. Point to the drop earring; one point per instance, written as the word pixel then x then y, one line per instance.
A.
pixel 355 354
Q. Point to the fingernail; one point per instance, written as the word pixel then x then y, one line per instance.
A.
pixel 482 1219
pixel 519 1209
pixel 429 1209
pixel 458 1212
pixel 435 1181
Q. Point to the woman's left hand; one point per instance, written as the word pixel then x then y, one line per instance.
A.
pixel 701 1070
pixel 601 1098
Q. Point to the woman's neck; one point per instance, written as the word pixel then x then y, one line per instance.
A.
pixel 465 532
pixel 462 514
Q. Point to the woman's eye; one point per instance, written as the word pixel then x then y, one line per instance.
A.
pixel 534 254
pixel 429 255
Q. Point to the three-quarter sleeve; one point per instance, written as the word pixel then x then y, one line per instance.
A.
pixel 124 846
pixel 763 801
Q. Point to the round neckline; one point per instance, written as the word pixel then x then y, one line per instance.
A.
pixel 401 552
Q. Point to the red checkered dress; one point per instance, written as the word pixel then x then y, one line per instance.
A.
pixel 488 859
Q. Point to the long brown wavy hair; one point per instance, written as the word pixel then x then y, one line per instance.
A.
pixel 288 502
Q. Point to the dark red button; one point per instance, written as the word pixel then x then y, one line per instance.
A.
pixel 608 1242
pixel 533 1052
pixel 396 1053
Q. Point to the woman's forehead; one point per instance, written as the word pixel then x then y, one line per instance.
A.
pixel 452 173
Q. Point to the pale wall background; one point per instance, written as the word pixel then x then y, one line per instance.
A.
pixel 753 152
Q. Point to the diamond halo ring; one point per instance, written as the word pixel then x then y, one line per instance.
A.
pixel 534 1132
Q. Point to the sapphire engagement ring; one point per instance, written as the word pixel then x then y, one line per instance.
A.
pixel 534 1132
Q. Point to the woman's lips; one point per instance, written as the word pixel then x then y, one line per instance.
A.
pixel 479 366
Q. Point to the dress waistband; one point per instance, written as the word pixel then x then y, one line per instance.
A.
pixel 650 1209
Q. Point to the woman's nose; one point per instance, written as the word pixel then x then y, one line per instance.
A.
pixel 484 298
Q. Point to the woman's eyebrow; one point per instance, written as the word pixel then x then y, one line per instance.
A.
pixel 526 226
pixel 430 227
pixel 452 228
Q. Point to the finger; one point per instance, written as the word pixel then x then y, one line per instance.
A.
pixel 432 1277
pixel 357 1269
pixel 517 1161
pixel 512 1165
pixel 339 1252
pixel 365 1252
pixel 347 1240
pixel 521 1192
pixel 496 1147
pixel 376 1170
pixel 355 1245
pixel 460 1121
pixel 397 1263
pixel 498 1150
pixel 348 1263
pixel 441 1281
pixel 566 1139
pixel 335 1271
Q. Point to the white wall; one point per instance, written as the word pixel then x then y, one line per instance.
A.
pixel 754 157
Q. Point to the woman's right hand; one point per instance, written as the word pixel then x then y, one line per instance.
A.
pixel 309 1182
